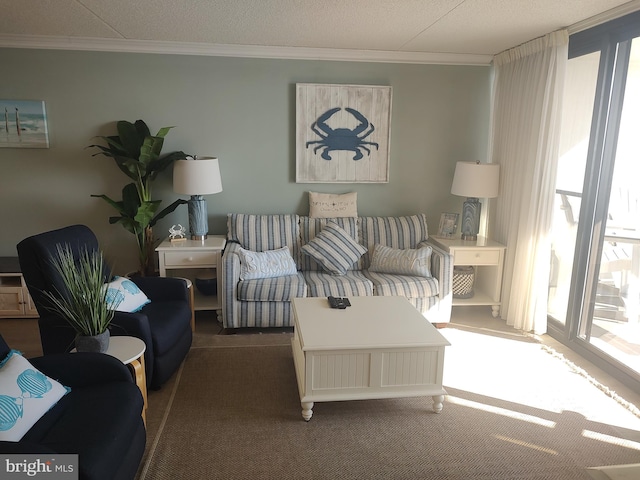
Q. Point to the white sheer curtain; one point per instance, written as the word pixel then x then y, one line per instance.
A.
pixel 527 99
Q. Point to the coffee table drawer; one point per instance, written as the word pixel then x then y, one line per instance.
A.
pixel 185 259
pixel 476 257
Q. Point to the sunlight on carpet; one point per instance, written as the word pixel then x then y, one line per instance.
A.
pixel 513 411
pixel 523 372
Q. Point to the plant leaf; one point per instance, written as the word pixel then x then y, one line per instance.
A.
pixel 166 211
pixel 146 212
pixel 130 138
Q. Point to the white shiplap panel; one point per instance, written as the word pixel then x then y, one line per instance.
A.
pixel 409 368
pixel 340 371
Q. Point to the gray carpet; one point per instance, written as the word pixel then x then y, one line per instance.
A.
pixel 513 412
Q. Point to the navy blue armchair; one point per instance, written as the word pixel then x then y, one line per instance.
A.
pixel 100 419
pixel 164 324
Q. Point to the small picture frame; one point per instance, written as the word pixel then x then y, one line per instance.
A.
pixel 448 225
pixel 23 124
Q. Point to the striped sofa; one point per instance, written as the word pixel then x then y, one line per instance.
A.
pixel 266 302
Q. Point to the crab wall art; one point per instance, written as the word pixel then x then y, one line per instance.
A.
pixel 342 138
pixel 342 133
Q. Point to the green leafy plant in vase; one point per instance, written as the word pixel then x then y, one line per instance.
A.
pixel 137 154
pixel 84 303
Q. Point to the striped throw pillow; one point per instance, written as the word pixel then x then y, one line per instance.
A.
pixel 334 249
pixel 401 261
pixel 269 264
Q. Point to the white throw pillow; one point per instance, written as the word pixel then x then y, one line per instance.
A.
pixel 26 394
pixel 401 261
pixel 268 264
pixel 334 249
pixel 124 295
pixel 331 205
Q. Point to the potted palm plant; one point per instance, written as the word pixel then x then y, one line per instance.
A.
pixel 137 154
pixel 85 303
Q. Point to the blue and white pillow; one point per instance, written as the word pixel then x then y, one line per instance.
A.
pixel 334 249
pixel 124 295
pixel 268 264
pixel 397 261
pixel 26 394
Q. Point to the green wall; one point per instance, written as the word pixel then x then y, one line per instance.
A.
pixel 238 109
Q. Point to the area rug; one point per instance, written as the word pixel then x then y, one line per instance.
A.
pixel 513 411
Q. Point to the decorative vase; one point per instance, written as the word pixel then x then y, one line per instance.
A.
pixel 93 343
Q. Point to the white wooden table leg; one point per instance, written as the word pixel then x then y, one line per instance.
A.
pixel 437 403
pixel 307 410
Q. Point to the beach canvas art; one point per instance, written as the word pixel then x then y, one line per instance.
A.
pixel 23 124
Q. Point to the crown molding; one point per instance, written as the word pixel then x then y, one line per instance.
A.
pixel 249 51
pixel 604 17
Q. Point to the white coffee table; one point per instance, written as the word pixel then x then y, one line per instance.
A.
pixel 380 347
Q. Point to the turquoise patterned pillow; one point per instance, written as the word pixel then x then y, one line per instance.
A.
pixel 26 394
pixel 334 249
pixel 125 296
pixel 269 264
pixel 401 261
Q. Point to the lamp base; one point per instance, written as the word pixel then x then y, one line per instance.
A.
pixel 470 218
pixel 198 222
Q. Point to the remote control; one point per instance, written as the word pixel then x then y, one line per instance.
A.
pixel 338 302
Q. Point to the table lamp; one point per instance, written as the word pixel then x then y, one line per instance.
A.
pixel 474 180
pixel 197 176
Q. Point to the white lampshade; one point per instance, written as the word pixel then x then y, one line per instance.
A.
pixel 474 179
pixel 200 176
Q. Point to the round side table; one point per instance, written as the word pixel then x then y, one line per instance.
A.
pixel 130 351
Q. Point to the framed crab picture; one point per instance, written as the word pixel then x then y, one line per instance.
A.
pixel 343 133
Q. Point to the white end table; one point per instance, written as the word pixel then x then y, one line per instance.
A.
pixel 487 256
pixel 186 258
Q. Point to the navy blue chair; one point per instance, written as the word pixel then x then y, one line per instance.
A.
pixel 100 419
pixel 164 324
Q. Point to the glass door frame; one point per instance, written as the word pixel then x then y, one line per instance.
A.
pixel 613 41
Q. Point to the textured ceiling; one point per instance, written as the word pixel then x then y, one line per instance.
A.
pixel 465 27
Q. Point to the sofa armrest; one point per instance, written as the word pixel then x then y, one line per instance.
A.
pixel 230 279
pixel 442 269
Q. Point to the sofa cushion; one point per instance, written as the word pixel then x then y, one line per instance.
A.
pixel 334 249
pixel 264 232
pixel 387 284
pixel 310 227
pixel 352 284
pixel 402 261
pixel 268 264
pixel 275 289
pixel 332 205
pixel 394 232
pixel 26 394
